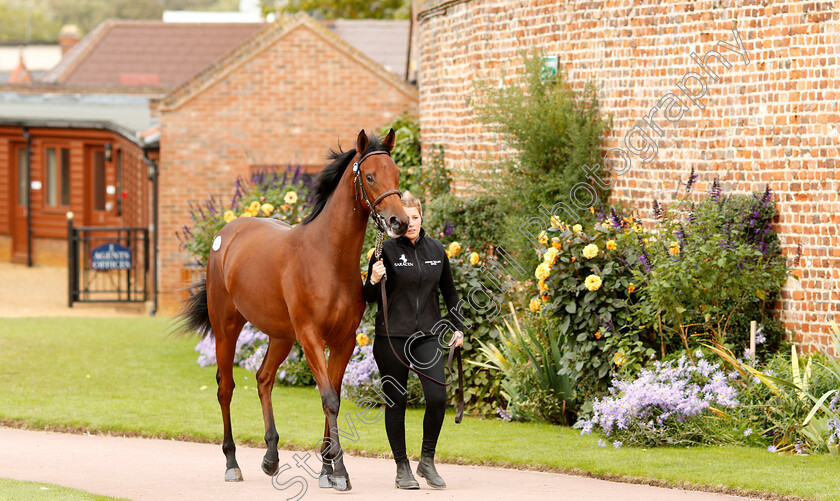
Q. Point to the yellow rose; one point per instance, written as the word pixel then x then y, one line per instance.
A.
pixel 619 359
pixel 454 248
pixel 291 197
pixel 247 213
pixel 577 228
pixel 474 257
pixel 543 271
pixel 555 242
pixel 556 222
pixel 590 251
pixel 370 253
pixel 362 339
pixel 550 255
pixel 254 207
pixel 593 282
pixel 267 209
pixel 611 244
pixel 543 286
pixel 543 237
pixel 535 304
pixel 675 248
pixel 229 216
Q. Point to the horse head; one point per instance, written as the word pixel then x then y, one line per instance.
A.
pixel 377 179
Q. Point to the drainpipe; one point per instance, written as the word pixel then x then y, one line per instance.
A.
pixel 28 197
pixel 410 33
pixel 153 177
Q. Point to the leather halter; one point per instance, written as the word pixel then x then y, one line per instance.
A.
pixel 359 186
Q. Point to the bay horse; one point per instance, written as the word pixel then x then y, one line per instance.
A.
pixel 299 284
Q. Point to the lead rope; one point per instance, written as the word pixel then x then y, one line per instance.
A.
pixel 453 351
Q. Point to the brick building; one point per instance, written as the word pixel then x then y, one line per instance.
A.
pixel 773 121
pixel 284 97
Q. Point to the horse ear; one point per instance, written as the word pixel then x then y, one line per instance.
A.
pixel 361 142
pixel 390 139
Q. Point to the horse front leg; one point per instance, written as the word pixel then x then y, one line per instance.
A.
pixel 278 350
pixel 330 401
pixel 337 364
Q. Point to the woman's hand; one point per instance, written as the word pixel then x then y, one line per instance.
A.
pixel 377 272
pixel 457 339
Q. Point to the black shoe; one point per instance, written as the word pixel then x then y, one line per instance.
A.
pixel 426 469
pixel 405 480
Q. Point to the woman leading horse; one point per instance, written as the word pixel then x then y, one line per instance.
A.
pixel 299 284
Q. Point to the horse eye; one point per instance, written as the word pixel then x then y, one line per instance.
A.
pixel 369 178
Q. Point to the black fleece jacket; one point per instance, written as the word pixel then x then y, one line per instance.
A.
pixel 414 274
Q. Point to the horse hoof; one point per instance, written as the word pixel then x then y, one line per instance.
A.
pixel 340 483
pixel 324 481
pixel 233 475
pixel 270 467
pixel 324 478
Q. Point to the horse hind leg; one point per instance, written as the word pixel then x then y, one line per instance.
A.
pixel 278 350
pixel 227 323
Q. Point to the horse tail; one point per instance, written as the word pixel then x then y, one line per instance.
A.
pixel 195 312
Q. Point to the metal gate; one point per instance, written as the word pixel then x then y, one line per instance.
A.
pixel 107 264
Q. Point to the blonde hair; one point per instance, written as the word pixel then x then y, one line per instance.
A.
pixel 409 200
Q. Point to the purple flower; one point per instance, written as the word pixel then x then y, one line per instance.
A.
pixel 771 448
pixel 616 221
pixel 617 444
pixel 748 432
pixel 760 338
pixel 601 443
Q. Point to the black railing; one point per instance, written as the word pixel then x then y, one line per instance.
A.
pixel 107 264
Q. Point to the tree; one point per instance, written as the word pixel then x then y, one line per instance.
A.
pixel 347 9
pixel 25 23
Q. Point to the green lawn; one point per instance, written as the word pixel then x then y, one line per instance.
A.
pixel 35 491
pixel 128 375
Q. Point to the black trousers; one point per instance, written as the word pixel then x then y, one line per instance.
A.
pixel 423 350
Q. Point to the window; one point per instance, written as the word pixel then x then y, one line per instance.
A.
pixel 58 177
pixel 23 190
pixel 99 180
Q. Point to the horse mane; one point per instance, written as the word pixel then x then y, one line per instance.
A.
pixel 328 179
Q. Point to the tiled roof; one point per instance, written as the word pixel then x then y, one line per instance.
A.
pixel 121 52
pixel 384 41
pixel 273 32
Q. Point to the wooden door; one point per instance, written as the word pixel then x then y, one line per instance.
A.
pixel 20 194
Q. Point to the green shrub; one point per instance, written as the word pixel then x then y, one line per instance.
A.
pixel 555 131
pixel 528 357
pixel 708 264
pixel 586 287
pixel 475 219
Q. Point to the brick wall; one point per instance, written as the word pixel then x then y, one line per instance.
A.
pixel 773 121
pixel 285 102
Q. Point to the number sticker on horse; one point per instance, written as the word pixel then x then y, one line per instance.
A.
pixel 217 242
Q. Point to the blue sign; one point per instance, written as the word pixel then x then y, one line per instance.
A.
pixel 110 257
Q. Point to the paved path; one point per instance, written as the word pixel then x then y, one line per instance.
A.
pixel 166 469
pixel 41 291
